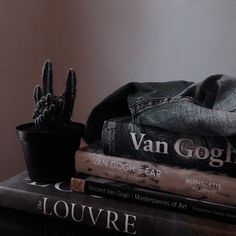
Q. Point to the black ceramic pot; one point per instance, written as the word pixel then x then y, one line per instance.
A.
pixel 49 156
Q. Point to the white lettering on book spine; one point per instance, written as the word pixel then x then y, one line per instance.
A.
pixel 112 220
pixel 184 147
pixel 127 167
pixel 149 146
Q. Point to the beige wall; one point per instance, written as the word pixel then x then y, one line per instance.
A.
pixel 109 43
pixel 25 42
pixel 112 42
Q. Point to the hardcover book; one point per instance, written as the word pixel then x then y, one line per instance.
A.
pixel 173 179
pixel 122 137
pixel 127 192
pixel 20 223
pixel 58 201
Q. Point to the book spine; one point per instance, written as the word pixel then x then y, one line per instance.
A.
pixel 72 211
pixel 121 137
pixel 108 219
pixel 13 222
pixel 103 214
pixel 154 198
pixel 173 179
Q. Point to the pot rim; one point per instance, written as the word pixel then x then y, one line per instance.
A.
pixel 29 125
pixel 25 132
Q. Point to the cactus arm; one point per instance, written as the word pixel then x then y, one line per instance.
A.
pixel 69 95
pixel 37 94
pixel 47 76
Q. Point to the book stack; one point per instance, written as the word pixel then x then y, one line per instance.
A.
pixel 136 180
pixel 160 169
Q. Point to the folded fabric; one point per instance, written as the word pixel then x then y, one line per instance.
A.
pixel 204 108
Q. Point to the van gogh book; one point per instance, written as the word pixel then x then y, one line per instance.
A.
pixel 197 184
pixel 57 200
pixel 122 137
pixel 127 192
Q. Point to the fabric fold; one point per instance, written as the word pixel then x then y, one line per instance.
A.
pixel 203 108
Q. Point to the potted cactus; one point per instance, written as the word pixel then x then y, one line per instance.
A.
pixel 49 143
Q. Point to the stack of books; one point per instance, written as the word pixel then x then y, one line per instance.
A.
pixel 160 169
pixel 135 181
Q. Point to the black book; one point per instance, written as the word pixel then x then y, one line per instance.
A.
pixel 58 201
pixel 121 137
pixel 20 223
pixel 131 193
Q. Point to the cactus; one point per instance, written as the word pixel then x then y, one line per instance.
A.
pixel 52 112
